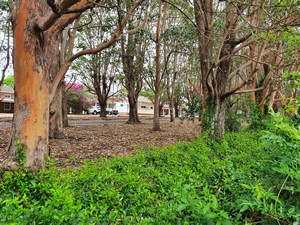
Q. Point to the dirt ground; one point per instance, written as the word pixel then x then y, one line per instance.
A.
pixel 91 142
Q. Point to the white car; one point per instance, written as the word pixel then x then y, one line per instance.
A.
pixel 94 110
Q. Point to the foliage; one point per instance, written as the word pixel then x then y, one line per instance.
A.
pixel 247 177
pixel 193 108
pixel 76 98
pixel 233 122
pixel 279 199
pixel 9 81
pixel 148 93
pixel 21 153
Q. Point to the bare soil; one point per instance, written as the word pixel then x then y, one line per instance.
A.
pixel 90 142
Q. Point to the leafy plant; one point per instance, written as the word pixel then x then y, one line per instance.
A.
pixel 240 179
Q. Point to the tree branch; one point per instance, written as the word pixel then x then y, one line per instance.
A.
pixel 233 91
pixel 101 47
pixel 47 21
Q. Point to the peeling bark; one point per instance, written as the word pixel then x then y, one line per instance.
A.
pixel 31 113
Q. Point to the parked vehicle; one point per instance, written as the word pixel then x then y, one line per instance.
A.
pixel 110 111
pixel 94 110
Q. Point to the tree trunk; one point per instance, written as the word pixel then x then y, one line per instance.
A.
pixel 230 41
pixel 218 123
pixel 156 122
pixel 176 109
pixel 56 114
pixel 31 66
pixel 171 105
pixel 64 108
pixel 103 106
pixel 161 105
pixel 133 108
pixel 133 57
pixel 159 30
pixel 204 17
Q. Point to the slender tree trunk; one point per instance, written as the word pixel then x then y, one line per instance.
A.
pixel 204 16
pixel 171 106
pixel 176 109
pixel 159 30
pixel 64 107
pixel 253 82
pixel 156 122
pixel 66 51
pixel 56 123
pixel 56 114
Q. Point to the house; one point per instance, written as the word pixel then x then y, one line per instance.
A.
pixel 6 99
pixel 145 106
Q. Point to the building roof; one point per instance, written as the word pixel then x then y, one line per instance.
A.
pixel 6 89
pixel 144 99
pixel 8 100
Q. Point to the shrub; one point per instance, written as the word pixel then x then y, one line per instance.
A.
pixel 240 179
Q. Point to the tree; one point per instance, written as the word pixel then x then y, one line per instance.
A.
pixel 9 81
pixel 58 106
pixel 244 51
pixel 75 98
pixel 5 39
pixel 133 47
pixel 204 17
pixel 98 71
pixel 37 27
pixel 160 28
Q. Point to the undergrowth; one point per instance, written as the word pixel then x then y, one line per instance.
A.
pixel 251 177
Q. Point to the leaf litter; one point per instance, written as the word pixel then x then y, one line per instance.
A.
pixel 91 142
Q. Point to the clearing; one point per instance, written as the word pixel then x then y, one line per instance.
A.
pixel 90 142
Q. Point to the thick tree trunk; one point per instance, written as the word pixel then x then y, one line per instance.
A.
pixel 133 108
pixel 31 117
pixel 103 106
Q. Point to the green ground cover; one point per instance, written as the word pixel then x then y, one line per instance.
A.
pixel 250 177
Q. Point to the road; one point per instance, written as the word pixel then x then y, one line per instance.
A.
pixel 80 123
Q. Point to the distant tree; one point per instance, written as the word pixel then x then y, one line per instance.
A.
pixel 98 72
pixel 5 39
pixel 133 48
pixel 9 81
pixel 75 98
